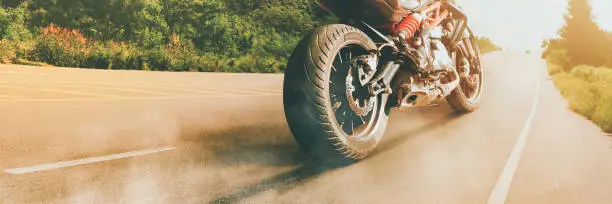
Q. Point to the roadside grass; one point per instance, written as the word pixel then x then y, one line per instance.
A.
pixel 19 61
pixel 30 63
pixel 588 91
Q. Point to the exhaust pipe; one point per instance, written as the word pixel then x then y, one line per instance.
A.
pixel 417 96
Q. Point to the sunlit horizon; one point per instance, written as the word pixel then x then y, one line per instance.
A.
pixel 523 24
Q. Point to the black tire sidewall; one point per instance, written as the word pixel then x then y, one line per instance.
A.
pixel 310 115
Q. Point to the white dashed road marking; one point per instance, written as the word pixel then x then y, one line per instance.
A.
pixel 45 167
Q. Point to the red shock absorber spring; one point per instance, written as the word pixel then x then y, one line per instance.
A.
pixel 408 27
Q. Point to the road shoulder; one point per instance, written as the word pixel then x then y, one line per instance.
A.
pixel 567 158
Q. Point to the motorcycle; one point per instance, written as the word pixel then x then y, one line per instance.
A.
pixel 342 80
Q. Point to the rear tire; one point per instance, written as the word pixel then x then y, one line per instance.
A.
pixel 464 101
pixel 308 102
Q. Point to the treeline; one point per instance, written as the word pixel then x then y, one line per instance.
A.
pixel 580 61
pixel 485 45
pixel 173 35
pixel 581 41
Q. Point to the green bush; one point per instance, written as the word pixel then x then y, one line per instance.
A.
pixel 99 57
pixel 176 56
pixel 181 56
pixel 592 74
pixel 255 63
pixel 589 93
pixel 579 93
pixel 156 59
pixel 210 62
pixel 7 52
pixel 601 82
pixel 603 112
pixel 111 55
pixel 23 49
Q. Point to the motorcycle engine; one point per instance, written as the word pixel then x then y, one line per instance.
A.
pixel 433 75
pixel 435 52
pixel 442 60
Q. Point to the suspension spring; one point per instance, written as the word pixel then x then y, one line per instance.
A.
pixel 408 27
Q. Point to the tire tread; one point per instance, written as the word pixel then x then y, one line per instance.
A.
pixel 318 50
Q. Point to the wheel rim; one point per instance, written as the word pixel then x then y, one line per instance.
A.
pixel 342 77
pixel 472 85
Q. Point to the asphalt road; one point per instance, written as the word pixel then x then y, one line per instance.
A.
pixel 153 137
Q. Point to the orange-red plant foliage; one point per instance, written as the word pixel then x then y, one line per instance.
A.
pixel 64 35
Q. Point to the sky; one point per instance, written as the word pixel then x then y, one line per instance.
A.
pixel 523 24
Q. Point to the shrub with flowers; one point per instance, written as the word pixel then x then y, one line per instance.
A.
pixel 61 46
pixel 69 48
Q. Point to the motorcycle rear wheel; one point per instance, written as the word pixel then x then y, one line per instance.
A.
pixel 466 97
pixel 315 99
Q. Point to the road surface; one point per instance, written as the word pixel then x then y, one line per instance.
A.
pixel 97 136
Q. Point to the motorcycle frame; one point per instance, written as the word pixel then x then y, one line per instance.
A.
pixel 434 14
pixel 436 18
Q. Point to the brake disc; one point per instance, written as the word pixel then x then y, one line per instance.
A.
pixel 354 103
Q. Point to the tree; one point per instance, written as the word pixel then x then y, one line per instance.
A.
pixel 551 45
pixel 13 23
pixel 583 39
pixel 228 33
pixel 485 45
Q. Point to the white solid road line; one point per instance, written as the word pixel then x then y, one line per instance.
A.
pixel 500 191
pixel 44 167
